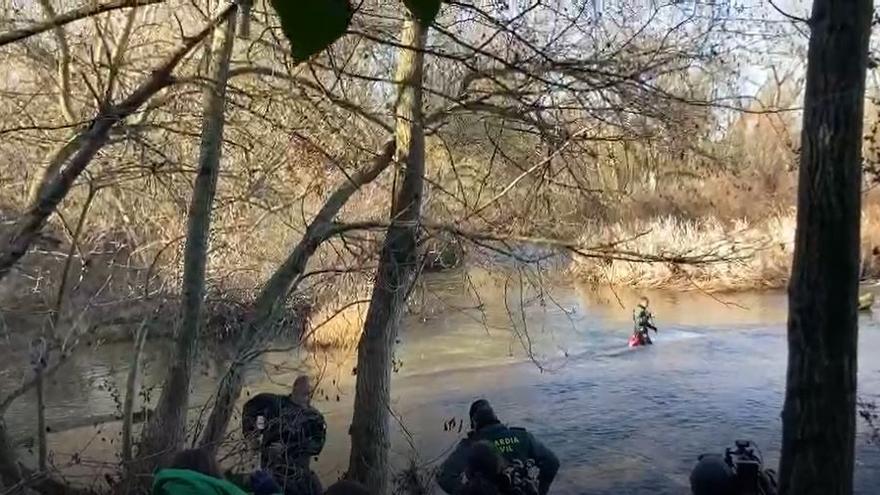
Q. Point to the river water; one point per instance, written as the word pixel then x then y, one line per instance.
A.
pixel 552 360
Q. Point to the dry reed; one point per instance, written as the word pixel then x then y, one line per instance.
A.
pixel 759 252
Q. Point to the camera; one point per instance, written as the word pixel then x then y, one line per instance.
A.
pixel 740 471
pixel 747 467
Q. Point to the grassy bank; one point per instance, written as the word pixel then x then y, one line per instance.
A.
pixel 758 253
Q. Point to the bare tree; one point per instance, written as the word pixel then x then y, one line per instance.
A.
pixel 818 429
pixel 398 265
pixel 278 288
pixel 165 431
pixel 536 117
pixel 18 240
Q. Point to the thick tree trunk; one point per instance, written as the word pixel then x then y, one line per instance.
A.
pixel 165 432
pixel 398 264
pixel 18 240
pixel 818 434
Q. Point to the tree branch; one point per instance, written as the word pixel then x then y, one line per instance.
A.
pixel 785 14
pixel 279 286
pixel 63 63
pixel 25 230
pixel 71 16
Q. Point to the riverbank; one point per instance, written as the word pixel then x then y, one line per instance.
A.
pixel 756 254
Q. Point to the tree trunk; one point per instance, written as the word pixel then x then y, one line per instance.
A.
pixel 165 432
pixel 21 235
pixel 818 420
pixel 276 290
pixel 398 263
pixel 131 391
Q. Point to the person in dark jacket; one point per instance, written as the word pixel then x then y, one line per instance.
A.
pixel 528 466
pixel 289 432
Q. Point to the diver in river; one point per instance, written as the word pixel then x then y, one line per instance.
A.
pixel 289 432
pixel 525 465
pixel 643 321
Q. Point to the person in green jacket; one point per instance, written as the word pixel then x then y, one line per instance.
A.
pixel 528 465
pixel 194 472
pixel 185 482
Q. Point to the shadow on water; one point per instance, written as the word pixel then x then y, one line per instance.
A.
pixel 621 420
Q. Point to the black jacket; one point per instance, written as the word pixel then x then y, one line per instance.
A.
pixel 302 430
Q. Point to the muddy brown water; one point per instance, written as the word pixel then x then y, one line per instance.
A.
pixel 621 420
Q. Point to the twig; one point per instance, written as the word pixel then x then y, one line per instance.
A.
pixel 785 14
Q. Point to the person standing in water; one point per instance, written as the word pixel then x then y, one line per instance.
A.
pixel 289 432
pixel 526 466
pixel 643 321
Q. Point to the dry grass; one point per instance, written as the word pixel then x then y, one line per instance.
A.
pixel 759 252
pixel 338 329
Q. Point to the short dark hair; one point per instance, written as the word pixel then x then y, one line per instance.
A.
pixel 347 487
pixel 197 460
pixel 482 414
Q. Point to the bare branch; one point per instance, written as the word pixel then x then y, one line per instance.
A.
pixel 71 16
pixel 64 95
pixel 93 139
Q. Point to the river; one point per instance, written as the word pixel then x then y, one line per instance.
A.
pixel 622 421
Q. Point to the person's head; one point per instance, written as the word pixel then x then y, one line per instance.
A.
pixel 196 460
pixel 346 487
pixel 482 414
pixel 302 390
pixel 643 302
pixel 712 476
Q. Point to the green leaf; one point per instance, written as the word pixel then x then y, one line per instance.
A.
pixel 312 25
pixel 424 10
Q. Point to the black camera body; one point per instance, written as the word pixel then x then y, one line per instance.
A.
pixel 747 467
pixel 740 471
